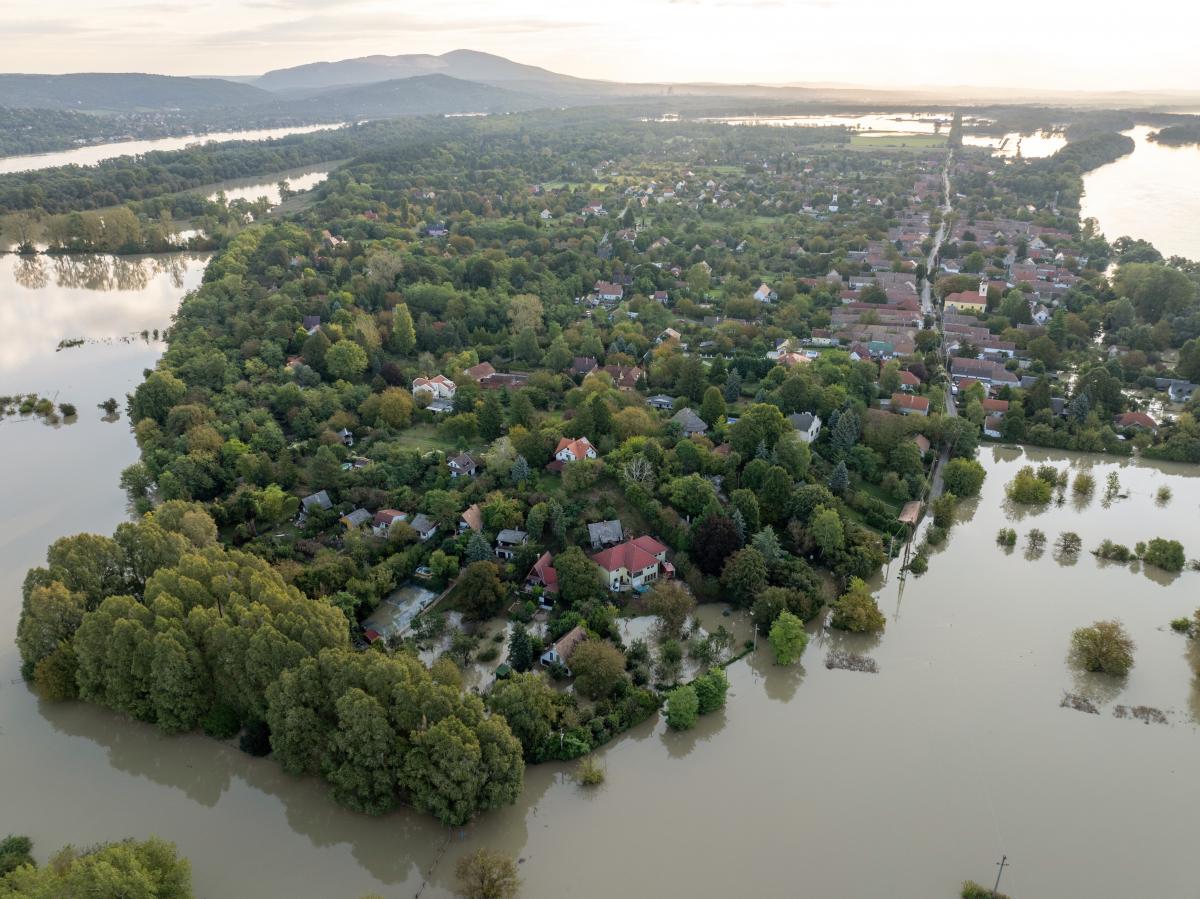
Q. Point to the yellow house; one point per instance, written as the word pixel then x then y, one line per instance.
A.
pixel 966 302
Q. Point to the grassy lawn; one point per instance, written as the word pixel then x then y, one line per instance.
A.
pixel 897 141
pixel 424 437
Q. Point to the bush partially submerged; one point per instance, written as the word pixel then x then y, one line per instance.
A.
pixel 1103 647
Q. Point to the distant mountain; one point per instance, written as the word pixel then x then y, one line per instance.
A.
pixel 467 65
pixel 419 95
pixel 107 92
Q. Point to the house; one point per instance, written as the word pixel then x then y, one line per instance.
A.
pixel 908 381
pixel 607 292
pixel 574 450
pixel 668 334
pixel 480 371
pixel 807 425
pixel 605 533
pixel 662 402
pixel 1136 420
pixel 634 564
pixel 691 423
pixel 997 408
pixel 356 519
pixel 993 426
pixel 560 652
pixel 424 526
pixel 583 365
pixel 437 229
pixel 318 501
pixel 595 208
pixel 543 575
pixel 382 523
pixel 462 465
pixel 922 443
pixel 508 540
pixel 625 377
pixel 312 324
pixel 966 302
pixel 439 387
pixel 906 404
pixel 441 407
pixel 347 437
pixel 545 215
pixel 765 294
pixel 471 519
pixel 661 296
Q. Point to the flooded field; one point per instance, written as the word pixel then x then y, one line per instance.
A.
pixel 253 188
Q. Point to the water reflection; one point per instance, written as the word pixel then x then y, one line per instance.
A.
pixel 779 682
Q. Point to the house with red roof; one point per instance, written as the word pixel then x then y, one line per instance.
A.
pixel 1136 420
pixel 439 387
pixel 575 450
pixel 910 405
pixel 543 575
pixel 908 381
pixel 634 564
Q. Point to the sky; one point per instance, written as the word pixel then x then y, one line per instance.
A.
pixel 1064 44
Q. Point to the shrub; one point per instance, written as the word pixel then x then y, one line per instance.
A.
pixel 1068 545
pixel 1084 484
pixel 973 890
pixel 67 409
pixel 1114 552
pixel 1181 625
pixel 1165 554
pixel 788 638
pixel 1006 537
pixel 1029 489
pixel 1103 647
pixel 589 773
pixel 711 689
pixel 963 477
pixel 488 654
pixel 918 564
pixel 487 874
pixel 935 536
pixel 683 707
pixel 1162 497
pixel 15 851
pixel 1035 540
pixel 856 610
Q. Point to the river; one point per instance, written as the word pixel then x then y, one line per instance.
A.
pixel 813 782
pixel 1151 193
pixel 90 155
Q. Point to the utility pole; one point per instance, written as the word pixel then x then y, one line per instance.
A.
pixel 1003 861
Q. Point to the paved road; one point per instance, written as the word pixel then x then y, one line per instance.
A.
pixel 936 486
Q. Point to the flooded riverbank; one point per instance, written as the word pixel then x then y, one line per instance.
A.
pixel 90 155
pixel 812 782
pixel 1150 194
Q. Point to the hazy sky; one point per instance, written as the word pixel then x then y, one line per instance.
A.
pixel 1065 44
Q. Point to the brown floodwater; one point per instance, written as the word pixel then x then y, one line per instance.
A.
pixel 812 783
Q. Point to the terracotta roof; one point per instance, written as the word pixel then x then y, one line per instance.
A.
pixel 566 644
pixel 1136 420
pixel 991 405
pixel 543 568
pixel 908 379
pixel 480 371
pixel 632 555
pixel 905 401
pixel 578 447
pixel 473 516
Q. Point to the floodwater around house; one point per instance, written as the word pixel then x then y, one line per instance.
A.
pixel 1150 194
pixel 813 782
pixel 392 617
pixel 95 153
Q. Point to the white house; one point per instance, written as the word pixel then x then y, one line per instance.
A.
pixel 807 425
pixel 634 564
pixel 462 465
pixel 439 387
pixel 507 542
pixel 560 652
pixel 575 450
pixel 764 294
pixel 424 526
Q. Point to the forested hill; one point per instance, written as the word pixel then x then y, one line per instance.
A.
pixel 422 95
pixel 100 91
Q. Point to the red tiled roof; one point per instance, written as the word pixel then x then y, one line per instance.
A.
pixel 629 555
pixel 543 568
pixel 1136 420
pixel 904 401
